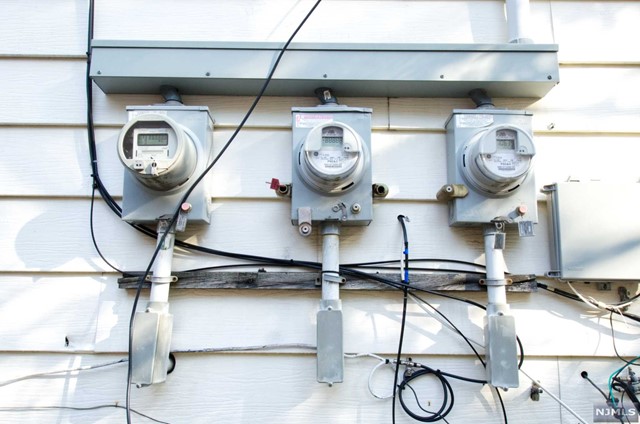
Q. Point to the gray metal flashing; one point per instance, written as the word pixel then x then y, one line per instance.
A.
pixel 357 70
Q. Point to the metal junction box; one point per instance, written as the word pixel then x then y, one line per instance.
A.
pixel 154 132
pixel 351 69
pixel 489 155
pixel 331 172
pixel 595 232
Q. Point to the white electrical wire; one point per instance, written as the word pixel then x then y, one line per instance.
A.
pixel 204 350
pixel 554 397
pixel 47 373
pixel 595 302
pixel 248 348
pixel 373 371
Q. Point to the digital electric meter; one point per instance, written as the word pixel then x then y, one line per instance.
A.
pixel 331 157
pixel 490 167
pixel 331 164
pixel 157 151
pixel 498 159
pixel 163 149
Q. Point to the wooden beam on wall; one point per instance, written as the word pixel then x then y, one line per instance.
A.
pixel 310 281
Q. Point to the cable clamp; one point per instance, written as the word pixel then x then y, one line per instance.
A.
pixel 330 277
pixel 495 282
pixel 161 280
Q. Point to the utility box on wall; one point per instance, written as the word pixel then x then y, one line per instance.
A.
pixel 595 232
pixel 489 154
pixel 164 149
pixel 331 178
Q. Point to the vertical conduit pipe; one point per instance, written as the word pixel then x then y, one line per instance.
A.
pixel 161 278
pixel 500 332
pixel 152 328
pixel 330 350
pixel 517 12
pixel 497 294
pixel 330 260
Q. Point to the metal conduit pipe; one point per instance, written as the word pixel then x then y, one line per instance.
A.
pixel 161 277
pixel 330 350
pixel 500 332
pixel 517 12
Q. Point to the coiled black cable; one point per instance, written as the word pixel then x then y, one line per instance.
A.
pixel 447 401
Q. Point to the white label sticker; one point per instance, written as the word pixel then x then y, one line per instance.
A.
pixel 310 120
pixel 135 113
pixel 474 121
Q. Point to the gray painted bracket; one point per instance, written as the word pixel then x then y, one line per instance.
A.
pixel 309 281
pixel 356 70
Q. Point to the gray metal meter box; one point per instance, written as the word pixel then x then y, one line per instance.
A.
pixel 489 158
pixel 331 178
pixel 595 231
pixel 164 148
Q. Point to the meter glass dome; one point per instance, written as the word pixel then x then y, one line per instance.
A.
pixel 496 161
pixel 157 151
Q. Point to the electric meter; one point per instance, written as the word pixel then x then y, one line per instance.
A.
pixel 496 161
pixel 163 149
pixel 157 151
pixel 331 164
pixel 490 167
pixel 331 157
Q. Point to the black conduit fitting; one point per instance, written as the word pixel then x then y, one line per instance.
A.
pixel 326 96
pixel 170 94
pixel 481 98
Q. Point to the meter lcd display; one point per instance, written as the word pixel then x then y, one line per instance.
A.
pixel 332 136
pixel 506 140
pixel 155 139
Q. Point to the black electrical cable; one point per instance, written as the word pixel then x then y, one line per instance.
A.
pixel 422 269
pixel 405 283
pixel 504 409
pixel 93 155
pixel 447 401
pixel 613 339
pixel 460 333
pixel 573 297
pixel 93 235
pixel 415 395
pixel 448 393
pixel 453 261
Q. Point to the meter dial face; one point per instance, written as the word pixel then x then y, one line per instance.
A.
pixel 334 158
pixel 331 158
pixel 505 162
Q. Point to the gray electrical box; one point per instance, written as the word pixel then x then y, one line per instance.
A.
pixel 490 167
pixel 595 232
pixel 331 178
pixel 164 148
